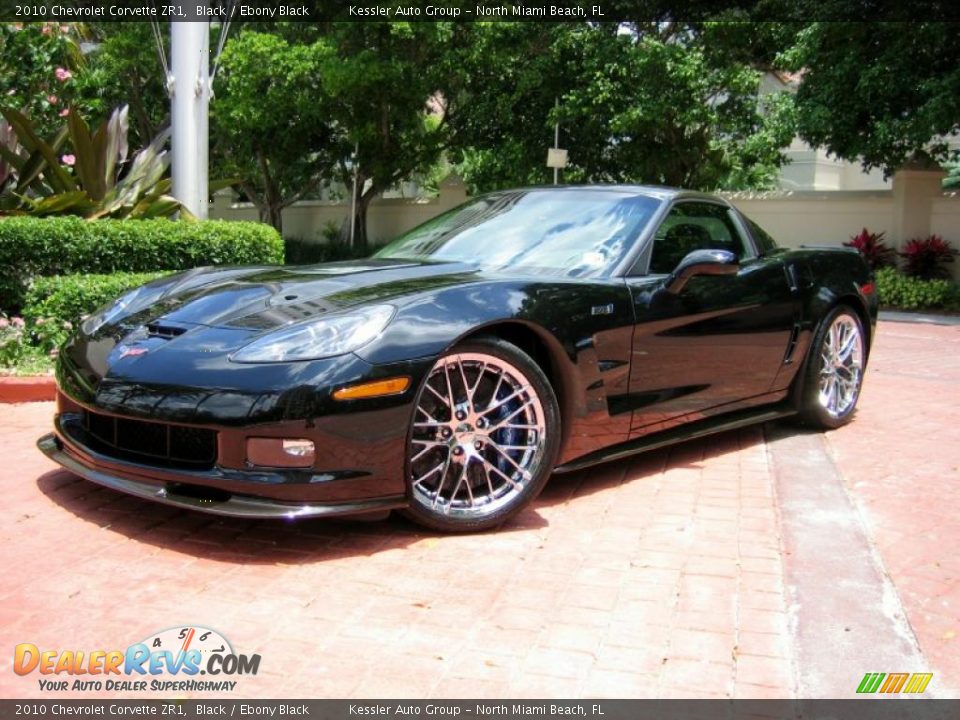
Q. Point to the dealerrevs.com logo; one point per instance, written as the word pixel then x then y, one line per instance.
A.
pixel 168 661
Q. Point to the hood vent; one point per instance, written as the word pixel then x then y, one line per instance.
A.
pixel 162 330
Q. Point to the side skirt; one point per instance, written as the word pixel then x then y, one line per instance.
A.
pixel 701 428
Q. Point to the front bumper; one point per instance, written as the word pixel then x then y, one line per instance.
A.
pixel 186 495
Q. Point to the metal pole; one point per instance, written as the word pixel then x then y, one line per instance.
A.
pixel 190 101
pixel 556 137
pixel 353 202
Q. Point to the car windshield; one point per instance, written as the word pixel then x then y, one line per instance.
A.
pixel 573 233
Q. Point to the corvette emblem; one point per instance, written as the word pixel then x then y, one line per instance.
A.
pixel 132 352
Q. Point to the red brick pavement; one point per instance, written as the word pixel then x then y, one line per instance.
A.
pixel 659 576
pixel 900 460
pixel 656 577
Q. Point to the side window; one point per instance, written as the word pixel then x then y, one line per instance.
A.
pixel 761 238
pixel 694 226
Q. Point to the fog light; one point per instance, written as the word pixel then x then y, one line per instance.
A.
pixel 280 452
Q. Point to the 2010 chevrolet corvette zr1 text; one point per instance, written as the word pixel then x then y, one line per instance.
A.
pixel 524 333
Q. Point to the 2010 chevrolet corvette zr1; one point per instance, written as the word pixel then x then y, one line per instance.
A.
pixel 524 333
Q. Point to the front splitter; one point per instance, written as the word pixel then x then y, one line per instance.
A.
pixel 233 505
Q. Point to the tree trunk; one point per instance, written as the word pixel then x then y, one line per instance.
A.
pixel 276 217
pixel 360 220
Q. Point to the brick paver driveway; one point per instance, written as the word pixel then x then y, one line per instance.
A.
pixel 689 572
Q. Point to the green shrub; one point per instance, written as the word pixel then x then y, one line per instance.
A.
pixel 897 290
pixel 67 245
pixel 13 337
pixel 55 305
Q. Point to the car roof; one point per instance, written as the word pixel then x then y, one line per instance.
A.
pixel 660 192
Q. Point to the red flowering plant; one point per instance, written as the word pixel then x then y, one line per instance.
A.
pixel 926 258
pixel 875 252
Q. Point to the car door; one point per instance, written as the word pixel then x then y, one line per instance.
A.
pixel 717 342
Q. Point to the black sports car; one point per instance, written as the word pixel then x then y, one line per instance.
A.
pixel 524 333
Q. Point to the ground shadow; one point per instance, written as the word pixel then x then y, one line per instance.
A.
pixel 307 541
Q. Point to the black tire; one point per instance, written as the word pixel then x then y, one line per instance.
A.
pixel 477 460
pixel 832 380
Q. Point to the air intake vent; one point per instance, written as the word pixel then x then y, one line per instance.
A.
pixel 164 331
pixel 151 443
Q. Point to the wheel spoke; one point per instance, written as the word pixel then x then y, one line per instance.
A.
pixel 505 401
pixel 446 375
pixel 504 421
pixel 490 466
pixel 442 465
pixel 849 343
pixel 460 479
pixel 443 480
pixel 439 395
pixel 523 473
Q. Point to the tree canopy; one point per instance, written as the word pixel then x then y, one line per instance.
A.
pixel 883 93
pixel 653 101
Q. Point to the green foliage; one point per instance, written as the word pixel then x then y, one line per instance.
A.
pixel 270 123
pixel 55 305
pixel 58 246
pixel 952 180
pixel 13 337
pixel 884 93
pixel 897 290
pixel 123 68
pixel 40 63
pixel 636 102
pixel 87 182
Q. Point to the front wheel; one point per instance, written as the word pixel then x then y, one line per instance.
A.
pixel 484 437
pixel 834 373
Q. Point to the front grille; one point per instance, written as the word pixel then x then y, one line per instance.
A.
pixel 151 443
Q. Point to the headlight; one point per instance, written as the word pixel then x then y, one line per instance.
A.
pixel 320 338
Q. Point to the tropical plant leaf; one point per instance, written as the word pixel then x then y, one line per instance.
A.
pixel 142 191
pixel 116 140
pixel 75 202
pixel 88 172
pixel 58 178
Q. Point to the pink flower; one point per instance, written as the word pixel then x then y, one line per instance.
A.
pixel 69 160
pixel 62 74
pixel 64 112
pixel 53 99
pixel 18 26
pixel 4 323
pixel 17 322
pixel 45 30
pixel 64 29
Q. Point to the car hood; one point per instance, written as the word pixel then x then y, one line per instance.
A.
pixel 264 298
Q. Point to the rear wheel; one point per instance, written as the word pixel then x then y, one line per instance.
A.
pixel 834 373
pixel 484 437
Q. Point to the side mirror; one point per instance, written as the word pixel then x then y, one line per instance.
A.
pixel 701 262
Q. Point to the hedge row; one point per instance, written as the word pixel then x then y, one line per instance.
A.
pixel 53 302
pixel 894 289
pixel 58 246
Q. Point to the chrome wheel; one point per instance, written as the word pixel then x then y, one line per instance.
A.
pixel 841 366
pixel 479 440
